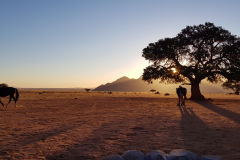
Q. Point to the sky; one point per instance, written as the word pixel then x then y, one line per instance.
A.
pixel 85 43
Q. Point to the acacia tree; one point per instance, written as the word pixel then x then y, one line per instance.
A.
pixel 197 52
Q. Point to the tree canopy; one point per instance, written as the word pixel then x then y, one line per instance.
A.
pixel 232 84
pixel 197 52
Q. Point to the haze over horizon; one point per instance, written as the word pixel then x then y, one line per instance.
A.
pixel 67 44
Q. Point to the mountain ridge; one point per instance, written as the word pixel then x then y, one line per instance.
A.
pixel 125 84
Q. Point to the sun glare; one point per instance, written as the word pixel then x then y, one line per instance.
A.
pixel 174 70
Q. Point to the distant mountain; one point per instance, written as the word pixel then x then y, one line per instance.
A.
pixel 122 79
pixel 125 84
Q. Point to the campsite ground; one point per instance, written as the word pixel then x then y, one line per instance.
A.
pixel 79 125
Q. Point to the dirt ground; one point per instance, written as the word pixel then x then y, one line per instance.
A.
pixel 88 126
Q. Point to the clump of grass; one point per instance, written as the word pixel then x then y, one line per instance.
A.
pixel 166 94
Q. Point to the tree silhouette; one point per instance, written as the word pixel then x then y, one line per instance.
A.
pixel 196 53
pixel 87 89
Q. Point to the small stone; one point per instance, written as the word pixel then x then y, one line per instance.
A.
pixel 133 155
pixel 113 157
pixel 156 155
pixel 181 154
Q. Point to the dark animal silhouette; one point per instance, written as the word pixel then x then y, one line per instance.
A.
pixel 11 92
pixel 181 92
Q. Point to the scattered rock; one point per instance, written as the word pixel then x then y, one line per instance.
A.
pixel 133 155
pixel 156 155
pixel 181 154
pixel 113 157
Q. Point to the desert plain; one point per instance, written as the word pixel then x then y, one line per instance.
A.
pixel 67 125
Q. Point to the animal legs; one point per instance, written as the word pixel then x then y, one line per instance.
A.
pixel 178 101
pixel 181 99
pixel 10 99
pixel 5 107
pixel 15 100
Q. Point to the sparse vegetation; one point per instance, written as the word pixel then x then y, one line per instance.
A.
pixel 157 92
pixel 152 90
pixel 58 118
pixel 166 94
pixel 87 89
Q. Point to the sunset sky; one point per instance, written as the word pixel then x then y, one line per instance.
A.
pixel 84 43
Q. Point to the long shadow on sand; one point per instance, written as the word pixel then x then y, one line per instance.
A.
pixel 202 139
pixel 118 136
pixel 197 135
pixel 194 130
pixel 29 138
pixel 93 143
pixel 147 133
pixel 226 113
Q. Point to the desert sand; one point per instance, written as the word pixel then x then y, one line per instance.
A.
pixel 88 126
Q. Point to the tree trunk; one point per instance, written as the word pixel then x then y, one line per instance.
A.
pixel 196 93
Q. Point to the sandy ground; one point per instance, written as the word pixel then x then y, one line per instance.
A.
pixel 84 126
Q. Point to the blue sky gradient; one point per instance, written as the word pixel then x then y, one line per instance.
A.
pixel 84 43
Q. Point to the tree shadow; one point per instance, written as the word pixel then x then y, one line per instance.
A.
pixel 197 136
pixel 226 113
pixel 147 133
pixel 120 134
pixel 202 139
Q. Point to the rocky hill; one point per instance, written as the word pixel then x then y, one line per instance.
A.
pixel 125 84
